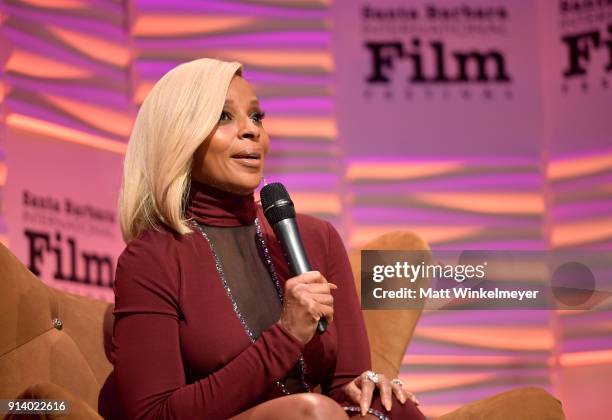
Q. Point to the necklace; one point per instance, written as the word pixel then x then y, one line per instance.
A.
pixel 228 291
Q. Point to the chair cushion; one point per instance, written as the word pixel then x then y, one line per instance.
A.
pixel 528 403
pixel 51 357
pixel 32 350
pixel 27 306
pixel 89 324
pixel 390 331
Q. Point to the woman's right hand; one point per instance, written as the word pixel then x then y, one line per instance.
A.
pixel 307 299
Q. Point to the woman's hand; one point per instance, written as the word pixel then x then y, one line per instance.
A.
pixel 361 389
pixel 307 299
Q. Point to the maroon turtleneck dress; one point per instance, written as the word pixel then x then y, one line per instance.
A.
pixel 179 348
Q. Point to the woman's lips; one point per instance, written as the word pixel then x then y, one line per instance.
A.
pixel 248 161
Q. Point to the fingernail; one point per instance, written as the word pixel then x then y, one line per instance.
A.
pixel 388 406
pixel 403 399
pixel 363 410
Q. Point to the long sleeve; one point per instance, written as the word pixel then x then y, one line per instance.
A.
pixel 353 349
pixel 149 370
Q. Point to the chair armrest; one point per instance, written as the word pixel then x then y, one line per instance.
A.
pixel 529 403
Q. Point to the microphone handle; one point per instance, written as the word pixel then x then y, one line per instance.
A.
pixel 288 235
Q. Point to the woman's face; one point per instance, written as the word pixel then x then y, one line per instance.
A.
pixel 232 157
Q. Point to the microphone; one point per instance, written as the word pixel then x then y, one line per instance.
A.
pixel 280 214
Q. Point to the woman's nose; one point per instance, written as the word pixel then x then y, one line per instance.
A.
pixel 249 130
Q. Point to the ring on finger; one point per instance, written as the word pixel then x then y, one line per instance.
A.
pixel 372 376
pixel 397 382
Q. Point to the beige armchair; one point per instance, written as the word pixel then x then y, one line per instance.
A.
pixel 56 345
pixel 390 331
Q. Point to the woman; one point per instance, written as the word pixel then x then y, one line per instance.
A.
pixel 208 322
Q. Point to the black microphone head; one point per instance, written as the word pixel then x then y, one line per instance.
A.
pixel 276 203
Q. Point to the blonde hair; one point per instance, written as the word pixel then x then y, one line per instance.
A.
pixel 179 112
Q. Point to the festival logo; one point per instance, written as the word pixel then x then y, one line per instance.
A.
pixel 436 51
pixel 52 228
pixel 586 37
pixel 61 211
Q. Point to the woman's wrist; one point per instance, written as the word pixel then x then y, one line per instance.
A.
pixel 288 331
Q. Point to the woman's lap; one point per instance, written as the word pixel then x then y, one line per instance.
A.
pixel 399 411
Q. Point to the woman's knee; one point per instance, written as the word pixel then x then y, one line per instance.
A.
pixel 309 406
pixel 313 406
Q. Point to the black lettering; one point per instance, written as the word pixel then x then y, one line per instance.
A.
pixel 481 59
pixel 36 249
pixel 73 268
pixel 97 262
pixel 417 62
pixel 25 197
pixel 381 60
pixel 59 272
pixel 578 50
pixel 438 48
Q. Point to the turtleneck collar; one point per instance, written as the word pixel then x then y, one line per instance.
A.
pixel 214 207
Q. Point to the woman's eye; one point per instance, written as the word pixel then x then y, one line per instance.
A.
pixel 258 116
pixel 225 116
